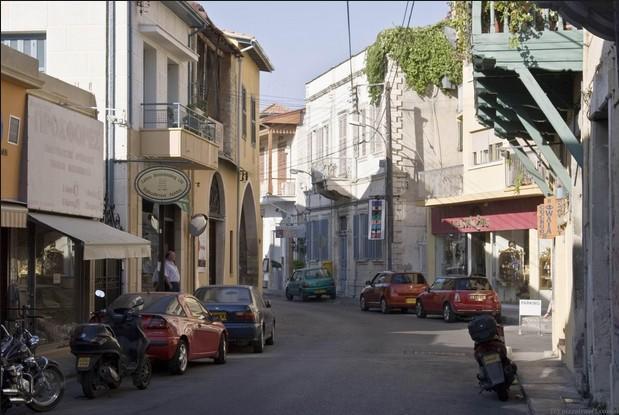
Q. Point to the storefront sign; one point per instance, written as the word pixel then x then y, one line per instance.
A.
pixel 290 231
pixel 547 219
pixel 376 227
pixel 163 185
pixel 65 160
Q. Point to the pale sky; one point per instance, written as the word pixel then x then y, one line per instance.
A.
pixel 305 38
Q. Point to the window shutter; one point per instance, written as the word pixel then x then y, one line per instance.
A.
pixel 355 236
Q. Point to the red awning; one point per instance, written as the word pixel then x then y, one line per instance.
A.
pixel 502 215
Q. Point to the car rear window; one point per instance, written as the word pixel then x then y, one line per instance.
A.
pixel 314 274
pixel 236 295
pixel 402 279
pixel 158 304
pixel 473 284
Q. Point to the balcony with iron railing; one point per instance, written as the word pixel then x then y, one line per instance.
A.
pixel 516 174
pixel 174 132
pixel 283 188
pixel 333 167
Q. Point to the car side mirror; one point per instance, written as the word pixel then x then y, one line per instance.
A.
pixel 428 289
pixel 267 303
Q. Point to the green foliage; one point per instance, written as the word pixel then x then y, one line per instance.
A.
pixel 518 182
pixel 298 264
pixel 460 20
pixel 423 54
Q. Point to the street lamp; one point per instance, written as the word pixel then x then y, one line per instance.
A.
pixel 295 171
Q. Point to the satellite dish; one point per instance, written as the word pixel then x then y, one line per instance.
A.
pixel 198 224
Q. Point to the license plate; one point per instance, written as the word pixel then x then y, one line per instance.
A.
pixel 478 297
pixel 492 358
pixel 83 362
pixel 411 300
pixel 320 291
pixel 220 316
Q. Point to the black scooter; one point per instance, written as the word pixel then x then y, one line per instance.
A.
pixel 111 347
pixel 496 371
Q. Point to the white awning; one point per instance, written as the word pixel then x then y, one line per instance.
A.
pixel 100 240
pixel 13 216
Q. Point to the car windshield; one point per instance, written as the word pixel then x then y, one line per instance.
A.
pixel 236 295
pixel 402 279
pixel 473 284
pixel 158 304
pixel 314 274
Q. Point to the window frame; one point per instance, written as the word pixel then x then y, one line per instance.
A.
pixel 10 129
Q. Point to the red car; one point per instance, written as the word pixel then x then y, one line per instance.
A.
pixel 179 328
pixel 389 290
pixel 459 295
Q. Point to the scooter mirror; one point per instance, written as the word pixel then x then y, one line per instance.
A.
pixel 100 294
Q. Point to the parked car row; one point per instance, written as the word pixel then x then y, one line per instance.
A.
pixel 450 296
pixel 182 327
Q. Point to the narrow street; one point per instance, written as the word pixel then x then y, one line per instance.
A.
pixel 329 358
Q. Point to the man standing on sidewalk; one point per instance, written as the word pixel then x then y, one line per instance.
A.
pixel 172 276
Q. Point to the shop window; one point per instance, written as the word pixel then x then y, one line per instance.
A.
pixel 545 267
pixel 451 254
pixel 57 287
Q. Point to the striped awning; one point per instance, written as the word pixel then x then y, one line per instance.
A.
pixel 13 216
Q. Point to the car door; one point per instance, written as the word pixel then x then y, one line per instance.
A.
pixel 265 313
pixel 292 284
pixel 370 294
pixel 205 334
pixel 447 292
pixel 431 300
pixel 377 288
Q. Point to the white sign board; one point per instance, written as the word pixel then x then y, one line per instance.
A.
pixel 163 185
pixel 65 160
pixel 376 219
pixel 530 307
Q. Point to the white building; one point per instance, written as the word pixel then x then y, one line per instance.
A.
pixel 344 151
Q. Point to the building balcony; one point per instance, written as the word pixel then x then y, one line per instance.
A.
pixel 440 183
pixel 549 43
pixel 175 133
pixel 279 188
pixel 332 177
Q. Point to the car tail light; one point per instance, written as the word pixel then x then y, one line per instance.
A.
pixel 245 315
pixel 157 323
pixel 457 298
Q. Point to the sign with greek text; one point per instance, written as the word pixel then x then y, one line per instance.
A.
pixel 376 218
pixel 65 160
pixel 163 185
pixel 530 308
pixel 547 219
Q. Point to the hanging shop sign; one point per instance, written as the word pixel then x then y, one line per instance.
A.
pixel 163 185
pixel 376 218
pixel 547 219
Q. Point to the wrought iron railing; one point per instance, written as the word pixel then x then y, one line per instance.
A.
pixel 175 115
pixel 517 175
pixel 493 21
pixel 334 167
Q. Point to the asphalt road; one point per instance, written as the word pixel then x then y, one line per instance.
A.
pixel 328 358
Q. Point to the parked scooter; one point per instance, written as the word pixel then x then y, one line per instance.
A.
pixel 25 378
pixel 111 347
pixel 496 371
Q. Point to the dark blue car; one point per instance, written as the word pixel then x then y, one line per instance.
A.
pixel 247 316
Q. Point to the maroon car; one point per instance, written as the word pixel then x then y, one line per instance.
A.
pixel 179 328
pixel 459 295
pixel 392 290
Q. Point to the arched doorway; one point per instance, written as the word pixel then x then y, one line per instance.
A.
pixel 216 231
pixel 248 241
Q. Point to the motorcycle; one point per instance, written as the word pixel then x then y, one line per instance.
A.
pixel 496 371
pixel 112 346
pixel 25 378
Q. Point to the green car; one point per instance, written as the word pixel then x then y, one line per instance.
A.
pixel 310 282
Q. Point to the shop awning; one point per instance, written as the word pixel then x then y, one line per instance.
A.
pixel 100 240
pixel 13 216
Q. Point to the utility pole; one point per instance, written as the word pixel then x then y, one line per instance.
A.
pixel 389 180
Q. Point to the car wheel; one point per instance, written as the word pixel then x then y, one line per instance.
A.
pixel 448 314
pixel 178 363
pixel 259 344
pixel 288 296
pixel 362 304
pixel 384 307
pixel 419 310
pixel 271 340
pixel 222 351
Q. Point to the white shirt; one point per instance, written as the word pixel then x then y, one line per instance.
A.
pixel 171 272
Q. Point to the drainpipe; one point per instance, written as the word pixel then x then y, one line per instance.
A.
pixel 110 98
pixel 238 158
pixel 129 67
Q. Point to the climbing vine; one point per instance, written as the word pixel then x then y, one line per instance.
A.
pixel 423 54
